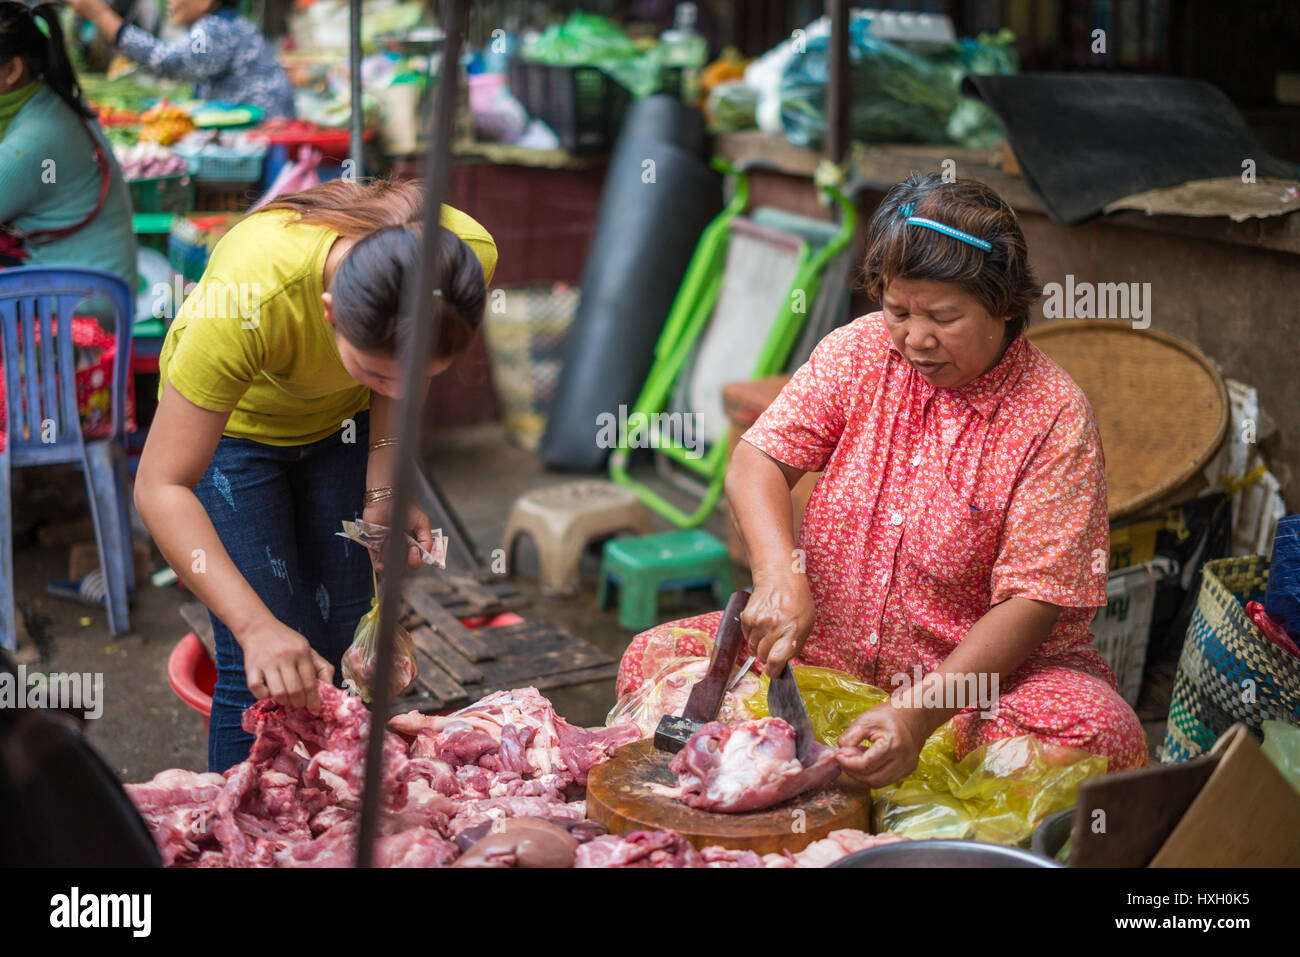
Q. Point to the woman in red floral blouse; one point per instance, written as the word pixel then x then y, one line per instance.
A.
pixel 959 526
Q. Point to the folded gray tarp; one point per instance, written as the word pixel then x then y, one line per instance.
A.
pixel 1084 141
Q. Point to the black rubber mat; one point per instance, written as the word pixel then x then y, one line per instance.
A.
pixel 1084 141
pixel 644 240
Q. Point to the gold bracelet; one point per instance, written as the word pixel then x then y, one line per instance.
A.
pixel 382 443
pixel 378 494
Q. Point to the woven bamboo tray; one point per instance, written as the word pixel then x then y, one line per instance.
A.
pixel 1161 407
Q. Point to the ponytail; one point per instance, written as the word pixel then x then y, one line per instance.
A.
pixel 41 49
pixel 367 290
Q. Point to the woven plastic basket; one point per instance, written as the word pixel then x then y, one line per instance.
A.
pixel 1228 671
pixel 1161 407
pixel 526 341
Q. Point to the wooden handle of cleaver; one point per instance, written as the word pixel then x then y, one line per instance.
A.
pixel 706 696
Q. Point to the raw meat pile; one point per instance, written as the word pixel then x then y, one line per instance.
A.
pixel 748 766
pixel 670 849
pixel 295 801
pixel 496 785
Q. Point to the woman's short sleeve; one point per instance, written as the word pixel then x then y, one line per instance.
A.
pixel 1055 544
pixel 220 348
pixel 804 423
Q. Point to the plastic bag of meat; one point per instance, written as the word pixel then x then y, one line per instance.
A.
pixel 667 694
pixel 360 660
pixel 999 792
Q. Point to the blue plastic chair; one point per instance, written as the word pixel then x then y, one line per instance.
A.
pixel 44 427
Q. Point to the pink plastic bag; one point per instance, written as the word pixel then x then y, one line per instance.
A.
pixel 294 177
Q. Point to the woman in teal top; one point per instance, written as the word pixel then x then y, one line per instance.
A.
pixel 52 177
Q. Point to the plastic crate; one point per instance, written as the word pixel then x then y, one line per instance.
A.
pixel 220 165
pixel 581 104
pixel 152 229
pixel 192 239
pixel 162 194
pixel 333 143
pixel 1123 628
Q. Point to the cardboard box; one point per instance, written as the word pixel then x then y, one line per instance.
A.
pixel 1228 808
pixel 1246 815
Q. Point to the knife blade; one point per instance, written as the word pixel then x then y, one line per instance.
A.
pixel 784 701
pixel 673 732
pixel 706 696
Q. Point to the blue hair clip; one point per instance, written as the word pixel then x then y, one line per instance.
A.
pixel 946 230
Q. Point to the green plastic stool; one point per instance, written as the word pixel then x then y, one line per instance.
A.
pixel 645 565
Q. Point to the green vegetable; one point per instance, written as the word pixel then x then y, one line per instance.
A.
pixel 897 96
pixel 586 39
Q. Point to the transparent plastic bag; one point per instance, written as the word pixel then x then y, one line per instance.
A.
pixel 1282 747
pixel 999 792
pixel 897 96
pixel 588 39
pixel 674 674
pixel 360 660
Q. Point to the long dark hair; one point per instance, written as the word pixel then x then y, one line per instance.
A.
pixel 45 56
pixel 367 290
pixel 386 219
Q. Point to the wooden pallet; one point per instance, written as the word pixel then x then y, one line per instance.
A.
pixel 530 653
pixel 465 595
pixel 459 665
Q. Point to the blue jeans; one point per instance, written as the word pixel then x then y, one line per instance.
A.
pixel 276 510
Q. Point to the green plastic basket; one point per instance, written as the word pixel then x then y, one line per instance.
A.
pixel 162 194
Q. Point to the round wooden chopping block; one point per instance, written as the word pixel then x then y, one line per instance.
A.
pixel 617 797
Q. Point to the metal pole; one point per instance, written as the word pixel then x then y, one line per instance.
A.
pixel 356 147
pixel 837 85
pixel 422 321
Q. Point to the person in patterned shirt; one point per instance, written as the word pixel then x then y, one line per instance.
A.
pixel 959 527
pixel 225 55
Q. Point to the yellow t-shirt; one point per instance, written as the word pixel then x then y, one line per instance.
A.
pixel 252 336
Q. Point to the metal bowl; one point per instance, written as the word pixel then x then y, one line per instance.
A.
pixel 1051 835
pixel 944 854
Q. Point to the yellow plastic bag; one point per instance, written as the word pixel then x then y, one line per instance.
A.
pixel 999 792
pixel 360 660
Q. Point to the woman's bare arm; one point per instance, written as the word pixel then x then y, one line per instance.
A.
pixel 780 614
pixel 182 440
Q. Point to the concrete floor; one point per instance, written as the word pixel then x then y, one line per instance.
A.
pixel 145 728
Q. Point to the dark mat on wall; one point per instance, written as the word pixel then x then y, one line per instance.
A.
pixel 1084 141
pixel 644 241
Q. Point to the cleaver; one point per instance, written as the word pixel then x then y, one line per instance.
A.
pixel 706 696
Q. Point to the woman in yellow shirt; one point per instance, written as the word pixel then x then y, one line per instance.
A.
pixel 276 421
